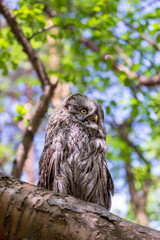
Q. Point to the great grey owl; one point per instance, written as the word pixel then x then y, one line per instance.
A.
pixel 73 160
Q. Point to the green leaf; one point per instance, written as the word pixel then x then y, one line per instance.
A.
pixel 158 38
pixel 135 111
pixel 133 101
pixel 26 121
pixel 4 43
pixel 18 118
pixel 135 67
pixel 109 63
pixel 4 68
pixel 21 110
pixel 108 110
pixel 14 63
pixel 96 8
pixel 113 103
pixel 155 26
pixel 100 101
pixel 122 76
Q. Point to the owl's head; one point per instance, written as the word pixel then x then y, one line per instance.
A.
pixel 86 111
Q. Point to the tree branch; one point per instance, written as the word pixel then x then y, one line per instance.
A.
pixel 48 90
pixel 29 212
pixel 122 54
pixel 146 38
pixel 143 80
pixel 149 81
pixel 49 11
pixel 32 54
pixel 35 121
pixel 130 180
pixel 90 44
pixel 138 200
pixel 124 135
pixel 41 31
pixel 138 197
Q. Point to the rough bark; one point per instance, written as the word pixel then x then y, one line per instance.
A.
pixel 28 212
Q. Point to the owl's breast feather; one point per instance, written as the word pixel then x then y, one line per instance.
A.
pixel 101 144
pixel 82 145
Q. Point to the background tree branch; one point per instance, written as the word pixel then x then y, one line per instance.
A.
pixel 138 200
pixel 27 211
pixel 48 90
pixel 143 80
pixel 31 53
pixel 146 38
pixel 35 121
pixel 123 128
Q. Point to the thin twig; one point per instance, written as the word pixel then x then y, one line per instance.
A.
pixel 123 55
pixel 41 31
pixel 124 135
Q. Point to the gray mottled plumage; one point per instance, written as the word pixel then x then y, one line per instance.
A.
pixel 73 158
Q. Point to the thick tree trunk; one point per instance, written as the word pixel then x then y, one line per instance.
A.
pixel 28 212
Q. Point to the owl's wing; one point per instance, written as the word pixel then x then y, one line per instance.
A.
pixel 110 184
pixel 109 187
pixel 47 168
pixel 51 169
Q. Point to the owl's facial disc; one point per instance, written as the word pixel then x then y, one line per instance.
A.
pixel 87 111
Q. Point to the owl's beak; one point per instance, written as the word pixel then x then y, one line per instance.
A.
pixel 93 118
